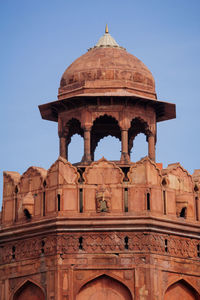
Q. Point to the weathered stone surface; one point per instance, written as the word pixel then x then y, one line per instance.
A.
pixel 111 69
pixel 102 230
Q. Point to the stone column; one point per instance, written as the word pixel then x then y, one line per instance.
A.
pixel 124 145
pixel 87 144
pixel 63 147
pixel 151 146
pixel 63 133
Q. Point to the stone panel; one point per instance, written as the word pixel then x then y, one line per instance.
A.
pixel 117 199
pixel 70 199
pixel 136 199
pixel 103 172
pixel 8 215
pixel 51 197
pixel 89 202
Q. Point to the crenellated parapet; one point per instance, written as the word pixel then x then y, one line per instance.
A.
pixel 101 188
pixel 61 191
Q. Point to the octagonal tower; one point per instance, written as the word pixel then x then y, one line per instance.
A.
pixel 102 229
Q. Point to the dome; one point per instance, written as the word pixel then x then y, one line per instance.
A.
pixel 107 69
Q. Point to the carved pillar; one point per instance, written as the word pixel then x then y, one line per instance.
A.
pixel 87 144
pixel 63 132
pixel 63 147
pixel 124 145
pixel 151 146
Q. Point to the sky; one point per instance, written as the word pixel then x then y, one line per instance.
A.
pixel 40 39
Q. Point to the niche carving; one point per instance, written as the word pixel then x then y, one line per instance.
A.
pixel 103 199
pixel 181 206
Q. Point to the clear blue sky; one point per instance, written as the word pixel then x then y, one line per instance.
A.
pixel 39 39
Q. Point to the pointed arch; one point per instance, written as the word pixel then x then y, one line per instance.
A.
pixel 139 147
pixel 181 289
pixel 73 126
pixel 138 125
pixel 28 290
pixel 104 287
pixel 104 126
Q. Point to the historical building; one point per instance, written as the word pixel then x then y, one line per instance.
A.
pixel 102 230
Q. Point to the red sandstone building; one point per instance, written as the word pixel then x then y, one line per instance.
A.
pixel 102 230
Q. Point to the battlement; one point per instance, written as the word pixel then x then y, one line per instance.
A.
pixel 100 189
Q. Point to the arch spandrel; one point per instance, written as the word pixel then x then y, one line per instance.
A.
pixel 145 171
pixel 103 172
pixel 104 288
pixel 62 172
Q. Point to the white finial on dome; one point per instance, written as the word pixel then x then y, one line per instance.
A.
pixel 107 41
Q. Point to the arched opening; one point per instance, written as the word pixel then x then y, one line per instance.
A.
pixel 139 148
pixel 109 147
pixel 164 182
pixel 74 142
pixel 27 214
pixel 181 290
pixel 75 149
pixel 148 201
pixel 44 199
pixel 197 208
pixel 183 213
pixel 29 291
pixel 196 189
pixel 104 288
pixel 198 250
pixel 16 198
pixel 104 126
pixel 138 135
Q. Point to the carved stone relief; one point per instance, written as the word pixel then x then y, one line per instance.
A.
pixel 103 199
pixel 109 242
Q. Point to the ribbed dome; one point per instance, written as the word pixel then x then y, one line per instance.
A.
pixel 107 69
